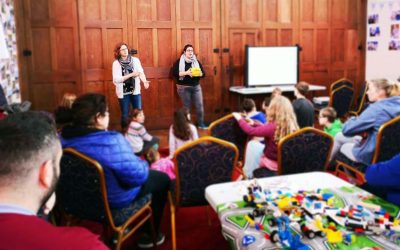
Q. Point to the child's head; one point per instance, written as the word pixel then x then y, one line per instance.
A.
pixel 181 128
pixel 67 100
pixel 136 115
pixel 301 88
pixel 275 92
pixel 327 116
pixel 248 105
pixel 152 155
pixel 280 111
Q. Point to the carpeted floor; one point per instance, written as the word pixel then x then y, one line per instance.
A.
pixel 192 230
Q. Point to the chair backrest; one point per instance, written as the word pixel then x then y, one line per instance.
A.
pixel 387 141
pixel 362 98
pixel 341 82
pixel 228 129
pixel 81 190
pixel 341 99
pixel 198 164
pixel 305 150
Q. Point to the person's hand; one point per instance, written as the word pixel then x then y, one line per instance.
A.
pixel 237 115
pixel 146 84
pixel 135 74
pixel 249 121
pixel 189 72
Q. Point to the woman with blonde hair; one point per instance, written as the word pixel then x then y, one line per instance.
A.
pixel 385 105
pixel 281 122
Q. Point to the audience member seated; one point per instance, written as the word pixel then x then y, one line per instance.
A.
pixel 281 122
pixel 62 114
pixel 127 177
pixel 385 105
pixel 181 131
pixel 250 111
pixel 383 180
pixel 30 154
pixel 137 135
pixel 328 118
pixel 303 108
pixel 160 164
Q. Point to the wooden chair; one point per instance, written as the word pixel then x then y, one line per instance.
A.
pixel 82 195
pixel 228 129
pixel 361 101
pixel 387 146
pixel 198 164
pixel 305 150
pixel 340 97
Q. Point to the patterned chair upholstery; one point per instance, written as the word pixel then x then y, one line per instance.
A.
pixel 362 101
pixel 341 100
pixel 228 129
pixel 387 146
pixel 339 92
pixel 304 151
pixel 81 195
pixel 198 164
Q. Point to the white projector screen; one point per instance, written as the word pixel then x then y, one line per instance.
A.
pixel 265 66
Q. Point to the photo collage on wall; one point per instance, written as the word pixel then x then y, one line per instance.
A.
pixel 9 78
pixel 384 30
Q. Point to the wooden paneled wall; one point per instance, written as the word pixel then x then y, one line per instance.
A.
pixel 72 42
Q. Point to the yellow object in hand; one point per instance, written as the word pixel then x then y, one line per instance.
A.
pixel 196 71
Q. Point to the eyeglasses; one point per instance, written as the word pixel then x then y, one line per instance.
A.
pixel 189 50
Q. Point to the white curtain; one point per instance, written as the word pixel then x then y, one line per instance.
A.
pixel 4 53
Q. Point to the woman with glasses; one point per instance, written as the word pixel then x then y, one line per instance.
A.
pixel 188 71
pixel 127 72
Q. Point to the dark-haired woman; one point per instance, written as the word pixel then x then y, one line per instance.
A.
pixel 188 71
pixel 182 131
pixel 127 72
pixel 127 177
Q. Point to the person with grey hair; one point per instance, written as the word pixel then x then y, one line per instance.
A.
pixel 30 154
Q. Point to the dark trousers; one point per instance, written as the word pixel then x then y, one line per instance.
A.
pixel 158 185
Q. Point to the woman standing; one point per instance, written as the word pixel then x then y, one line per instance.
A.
pixel 188 71
pixel 127 72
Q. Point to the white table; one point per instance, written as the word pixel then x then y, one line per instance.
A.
pixel 243 91
pixel 266 90
pixel 218 194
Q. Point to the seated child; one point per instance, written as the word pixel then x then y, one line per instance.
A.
pixel 160 164
pixel 140 140
pixel 327 118
pixel 249 109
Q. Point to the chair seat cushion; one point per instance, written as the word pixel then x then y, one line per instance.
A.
pixel 120 215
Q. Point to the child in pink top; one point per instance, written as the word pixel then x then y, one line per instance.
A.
pixel 160 164
pixel 281 122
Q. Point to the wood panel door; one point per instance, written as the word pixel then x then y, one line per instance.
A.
pixel 51 46
pixel 330 39
pixel 102 24
pixel 153 33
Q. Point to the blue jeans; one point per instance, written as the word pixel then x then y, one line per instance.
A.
pixel 124 103
pixel 189 94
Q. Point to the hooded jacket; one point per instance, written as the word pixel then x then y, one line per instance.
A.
pixel 370 121
pixel 124 172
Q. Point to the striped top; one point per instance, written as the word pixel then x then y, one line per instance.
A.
pixel 136 134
